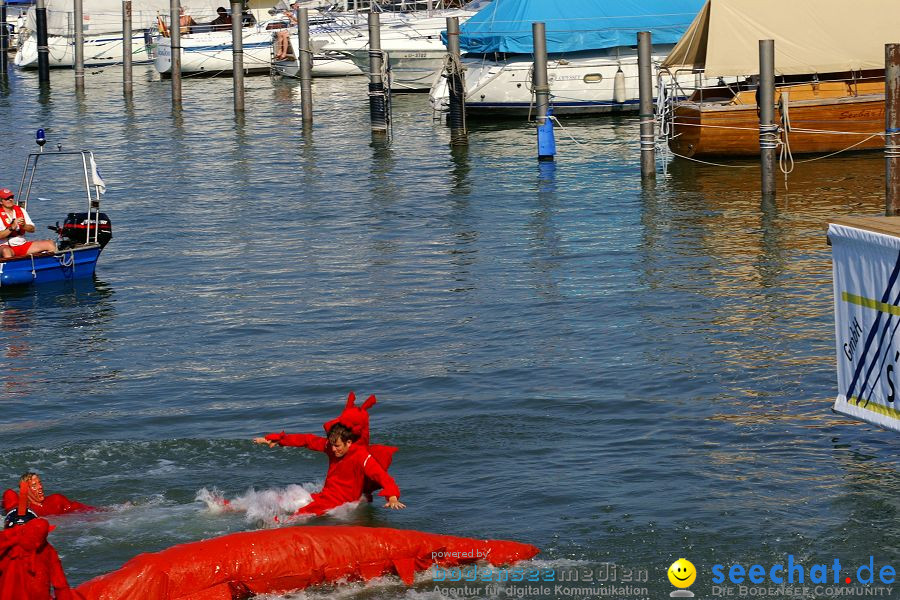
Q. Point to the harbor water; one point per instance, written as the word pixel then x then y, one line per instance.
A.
pixel 612 373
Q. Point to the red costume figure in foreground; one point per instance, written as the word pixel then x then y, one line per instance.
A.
pixel 31 487
pixel 29 565
pixel 354 467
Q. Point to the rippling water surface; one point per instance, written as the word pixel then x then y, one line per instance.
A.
pixel 611 373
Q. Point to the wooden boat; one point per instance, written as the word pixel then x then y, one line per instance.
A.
pixel 829 74
pixel 820 117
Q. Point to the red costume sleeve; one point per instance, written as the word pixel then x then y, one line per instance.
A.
pixel 303 440
pixel 376 472
pixel 10 500
pixel 57 504
pixel 57 576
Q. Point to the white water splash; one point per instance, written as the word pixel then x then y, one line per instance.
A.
pixel 267 506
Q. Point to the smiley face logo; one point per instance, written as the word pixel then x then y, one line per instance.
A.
pixel 682 573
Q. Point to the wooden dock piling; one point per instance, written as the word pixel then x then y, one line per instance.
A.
pixel 892 129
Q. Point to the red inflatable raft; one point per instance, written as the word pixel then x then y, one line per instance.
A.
pixel 279 560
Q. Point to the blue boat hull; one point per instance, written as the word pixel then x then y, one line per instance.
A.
pixel 76 263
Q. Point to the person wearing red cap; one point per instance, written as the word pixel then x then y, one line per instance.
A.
pixel 354 468
pixel 31 490
pixel 29 565
pixel 16 223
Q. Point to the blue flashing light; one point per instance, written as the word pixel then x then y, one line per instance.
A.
pixel 39 137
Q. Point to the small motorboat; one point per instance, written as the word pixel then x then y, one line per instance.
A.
pixel 80 238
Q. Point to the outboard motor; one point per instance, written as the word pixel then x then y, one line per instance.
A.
pixel 78 230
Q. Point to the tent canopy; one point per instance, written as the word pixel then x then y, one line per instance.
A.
pixel 811 36
pixel 573 25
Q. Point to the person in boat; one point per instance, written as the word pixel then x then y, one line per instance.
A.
pixel 16 223
pixel 31 491
pixel 30 565
pixel 354 468
pixel 185 22
pixel 282 38
pixel 222 22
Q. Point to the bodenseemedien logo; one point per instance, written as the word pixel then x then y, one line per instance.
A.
pixel 682 574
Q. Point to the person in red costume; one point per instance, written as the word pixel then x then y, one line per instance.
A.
pixel 29 565
pixel 354 467
pixel 31 487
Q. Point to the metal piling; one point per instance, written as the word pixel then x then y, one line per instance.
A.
pixel 237 57
pixel 127 78
pixel 304 57
pixel 379 103
pixel 768 130
pixel 456 87
pixel 647 117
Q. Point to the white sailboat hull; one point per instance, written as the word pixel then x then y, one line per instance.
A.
pixel 413 68
pixel 324 65
pixel 581 83
pixel 99 50
pixel 414 51
pixel 212 52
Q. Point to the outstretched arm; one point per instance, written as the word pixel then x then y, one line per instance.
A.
pixel 303 440
pixel 57 504
pixel 376 472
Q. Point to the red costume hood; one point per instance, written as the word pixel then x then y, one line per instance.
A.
pixel 356 419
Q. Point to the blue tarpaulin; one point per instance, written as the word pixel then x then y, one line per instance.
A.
pixel 573 25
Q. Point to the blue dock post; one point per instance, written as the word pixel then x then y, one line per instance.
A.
pixel 541 86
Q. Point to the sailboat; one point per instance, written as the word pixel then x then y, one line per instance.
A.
pixel 102 26
pixel 592 53
pixel 412 45
pixel 829 67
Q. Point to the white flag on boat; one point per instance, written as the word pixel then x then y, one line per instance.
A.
pixel 95 176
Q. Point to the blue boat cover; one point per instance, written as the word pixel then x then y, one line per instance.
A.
pixel 573 25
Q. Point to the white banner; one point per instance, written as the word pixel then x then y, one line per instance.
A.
pixel 867 324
